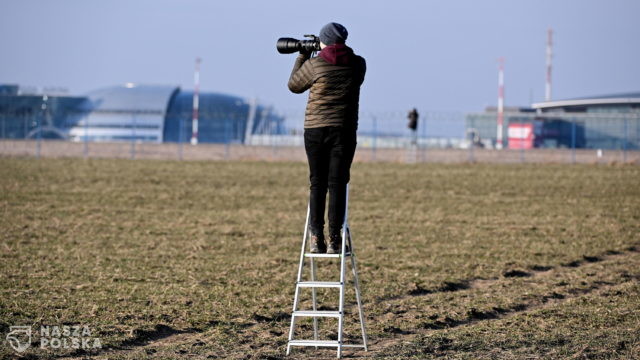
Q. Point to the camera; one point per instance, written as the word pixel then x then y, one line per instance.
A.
pixel 290 45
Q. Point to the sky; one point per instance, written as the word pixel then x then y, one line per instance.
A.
pixel 434 55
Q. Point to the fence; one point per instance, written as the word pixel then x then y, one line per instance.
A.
pixel 382 137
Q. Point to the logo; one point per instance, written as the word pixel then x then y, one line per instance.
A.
pixel 68 337
pixel 54 337
pixel 19 337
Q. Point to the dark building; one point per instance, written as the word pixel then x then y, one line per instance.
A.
pixel 148 113
pixel 602 122
pixel 28 116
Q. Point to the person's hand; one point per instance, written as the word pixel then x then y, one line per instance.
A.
pixel 305 53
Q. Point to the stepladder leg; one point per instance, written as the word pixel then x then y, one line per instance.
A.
pixel 314 300
pixel 340 324
pixel 293 321
pixel 298 279
pixel 343 265
pixel 356 284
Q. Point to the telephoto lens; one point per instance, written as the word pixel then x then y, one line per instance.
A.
pixel 287 45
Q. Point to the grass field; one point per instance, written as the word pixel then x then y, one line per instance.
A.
pixel 167 259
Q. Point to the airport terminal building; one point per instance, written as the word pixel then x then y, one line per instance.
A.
pixel 133 112
pixel 601 122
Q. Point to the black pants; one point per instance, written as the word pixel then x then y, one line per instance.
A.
pixel 330 152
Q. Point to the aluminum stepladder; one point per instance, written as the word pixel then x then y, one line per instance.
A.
pixel 348 250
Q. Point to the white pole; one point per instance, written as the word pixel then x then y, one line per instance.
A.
pixel 500 102
pixel 547 89
pixel 196 100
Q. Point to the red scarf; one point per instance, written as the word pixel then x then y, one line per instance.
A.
pixel 337 54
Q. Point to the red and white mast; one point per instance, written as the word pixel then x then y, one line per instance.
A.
pixel 547 89
pixel 500 102
pixel 196 102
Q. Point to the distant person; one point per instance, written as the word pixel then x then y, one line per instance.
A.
pixel 413 124
pixel 331 121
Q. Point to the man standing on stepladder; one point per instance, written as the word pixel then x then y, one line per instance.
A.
pixel 331 121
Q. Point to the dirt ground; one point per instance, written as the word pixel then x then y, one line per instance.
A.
pixel 166 259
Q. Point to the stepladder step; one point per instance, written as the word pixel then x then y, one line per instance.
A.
pixel 313 255
pixel 314 343
pixel 327 343
pixel 317 313
pixel 320 284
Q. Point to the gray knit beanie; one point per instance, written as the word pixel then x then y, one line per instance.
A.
pixel 333 33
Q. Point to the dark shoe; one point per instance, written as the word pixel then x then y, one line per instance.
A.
pixel 317 245
pixel 335 244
